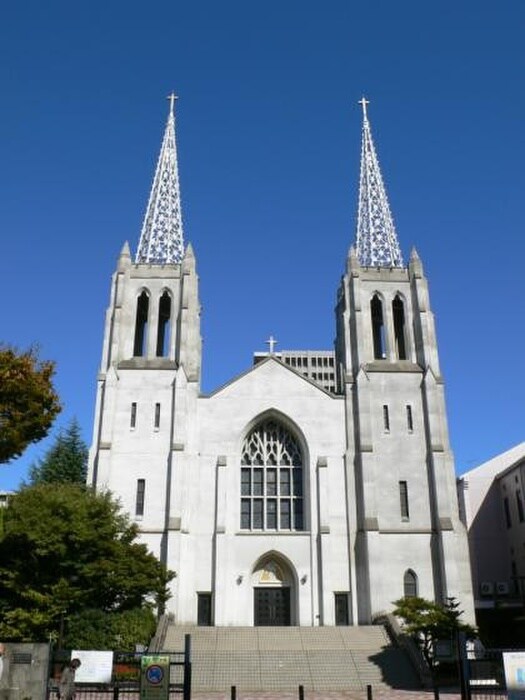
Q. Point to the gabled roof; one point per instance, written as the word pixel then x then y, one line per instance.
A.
pixel 263 363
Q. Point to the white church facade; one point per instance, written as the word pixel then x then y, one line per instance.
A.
pixel 315 488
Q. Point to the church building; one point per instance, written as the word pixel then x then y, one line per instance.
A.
pixel 316 487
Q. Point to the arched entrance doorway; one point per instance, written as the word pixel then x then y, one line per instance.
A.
pixel 273 593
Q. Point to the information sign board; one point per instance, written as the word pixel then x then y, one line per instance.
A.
pixel 96 666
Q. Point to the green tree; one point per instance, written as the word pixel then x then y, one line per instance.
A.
pixel 65 461
pixel 28 401
pixel 95 629
pixel 66 549
pixel 427 622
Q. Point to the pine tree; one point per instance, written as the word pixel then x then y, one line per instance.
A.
pixel 65 461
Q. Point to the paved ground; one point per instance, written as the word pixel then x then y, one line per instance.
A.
pixel 382 694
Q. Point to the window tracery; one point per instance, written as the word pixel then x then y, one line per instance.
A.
pixel 271 479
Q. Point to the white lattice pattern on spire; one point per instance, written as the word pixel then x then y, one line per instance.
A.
pixel 161 240
pixel 377 244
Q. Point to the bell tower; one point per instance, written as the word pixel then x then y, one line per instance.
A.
pixel 399 463
pixel 151 362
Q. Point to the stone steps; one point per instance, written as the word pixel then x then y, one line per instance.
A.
pixel 282 658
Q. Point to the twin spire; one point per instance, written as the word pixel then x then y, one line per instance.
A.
pixel 161 240
pixel 377 244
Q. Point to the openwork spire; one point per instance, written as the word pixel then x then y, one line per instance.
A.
pixel 161 241
pixel 377 244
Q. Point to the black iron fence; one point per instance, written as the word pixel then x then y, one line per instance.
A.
pixel 486 675
pixel 125 676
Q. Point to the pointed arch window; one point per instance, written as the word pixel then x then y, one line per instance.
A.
pixel 141 325
pixel 271 479
pixel 378 328
pixel 398 313
pixel 163 328
pixel 410 584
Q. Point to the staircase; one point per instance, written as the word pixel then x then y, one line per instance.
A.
pixel 282 658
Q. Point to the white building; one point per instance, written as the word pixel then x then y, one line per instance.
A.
pixel 492 499
pixel 282 497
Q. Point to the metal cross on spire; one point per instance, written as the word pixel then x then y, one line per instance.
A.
pixel 161 240
pixel 377 244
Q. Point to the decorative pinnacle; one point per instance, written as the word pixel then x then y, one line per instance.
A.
pixel 161 240
pixel 377 244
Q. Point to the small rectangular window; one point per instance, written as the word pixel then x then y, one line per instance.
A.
pixel 410 420
pixel 246 511
pixel 257 513
pixel 386 419
pixel 257 482
pixel 284 477
pixel 139 500
pixel 519 503
pixel 285 523
pixel 271 514
pixel 271 482
pixel 157 416
pixel 403 498
pixel 246 482
pixel 298 514
pixel 507 511
pixel 133 416
pixel 297 477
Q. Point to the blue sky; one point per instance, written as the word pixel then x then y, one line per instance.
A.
pixel 268 132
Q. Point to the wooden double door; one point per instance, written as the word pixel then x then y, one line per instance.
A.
pixel 271 607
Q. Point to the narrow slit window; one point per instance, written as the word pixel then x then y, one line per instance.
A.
pixel 157 416
pixel 133 416
pixel 410 419
pixel 386 419
pixel 398 313
pixel 141 325
pixel 139 500
pixel 519 503
pixel 506 506
pixel 378 328
pixel 403 498
pixel 163 329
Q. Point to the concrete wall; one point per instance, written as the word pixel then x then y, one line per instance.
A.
pixel 28 669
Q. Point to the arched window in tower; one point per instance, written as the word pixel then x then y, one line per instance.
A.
pixel 378 328
pixel 163 329
pixel 398 313
pixel 271 479
pixel 141 325
pixel 410 584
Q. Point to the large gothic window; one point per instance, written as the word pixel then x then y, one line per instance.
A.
pixel 271 479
